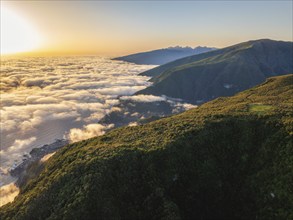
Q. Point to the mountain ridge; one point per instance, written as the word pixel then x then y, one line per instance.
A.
pixel 165 55
pixel 223 72
pixel 227 159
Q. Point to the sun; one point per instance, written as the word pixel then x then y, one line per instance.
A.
pixel 17 34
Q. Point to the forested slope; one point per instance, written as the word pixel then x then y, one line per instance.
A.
pixel 230 158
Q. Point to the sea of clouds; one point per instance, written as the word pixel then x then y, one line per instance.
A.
pixel 48 98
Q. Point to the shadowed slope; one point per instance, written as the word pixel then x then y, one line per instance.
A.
pixel 223 72
pixel 219 161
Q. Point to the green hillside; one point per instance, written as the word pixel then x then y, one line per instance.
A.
pixel 224 72
pixel 230 158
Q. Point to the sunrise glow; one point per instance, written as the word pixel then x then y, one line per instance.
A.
pixel 17 34
pixel 119 28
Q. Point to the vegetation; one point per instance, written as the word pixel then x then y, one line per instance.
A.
pixel 222 160
pixel 223 72
pixel 258 107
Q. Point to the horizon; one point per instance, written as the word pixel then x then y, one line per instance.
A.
pixel 128 109
pixel 121 28
pixel 85 54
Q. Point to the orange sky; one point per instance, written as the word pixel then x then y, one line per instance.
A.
pixel 116 28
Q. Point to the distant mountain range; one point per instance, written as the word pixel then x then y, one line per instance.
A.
pixel 162 56
pixel 230 158
pixel 224 72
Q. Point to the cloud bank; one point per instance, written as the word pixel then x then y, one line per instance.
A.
pixel 144 98
pixel 88 131
pixel 8 193
pixel 44 98
pixel 48 98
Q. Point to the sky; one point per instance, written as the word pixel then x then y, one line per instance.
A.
pixel 122 27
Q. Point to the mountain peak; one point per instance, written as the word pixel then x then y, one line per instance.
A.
pixel 222 72
pixel 165 55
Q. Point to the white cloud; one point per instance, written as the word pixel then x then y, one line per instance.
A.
pixel 179 107
pixel 8 193
pixel 20 144
pixel 131 124
pixel 34 82
pixel 46 98
pixel 16 150
pixel 116 109
pixel 52 97
pixel 88 131
pixel 121 90
pixel 144 98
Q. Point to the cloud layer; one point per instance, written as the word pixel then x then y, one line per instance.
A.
pixel 48 98
pixel 144 98
pixel 8 193
pixel 44 98
pixel 88 131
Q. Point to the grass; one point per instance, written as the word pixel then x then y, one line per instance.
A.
pixel 259 108
pixel 217 161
